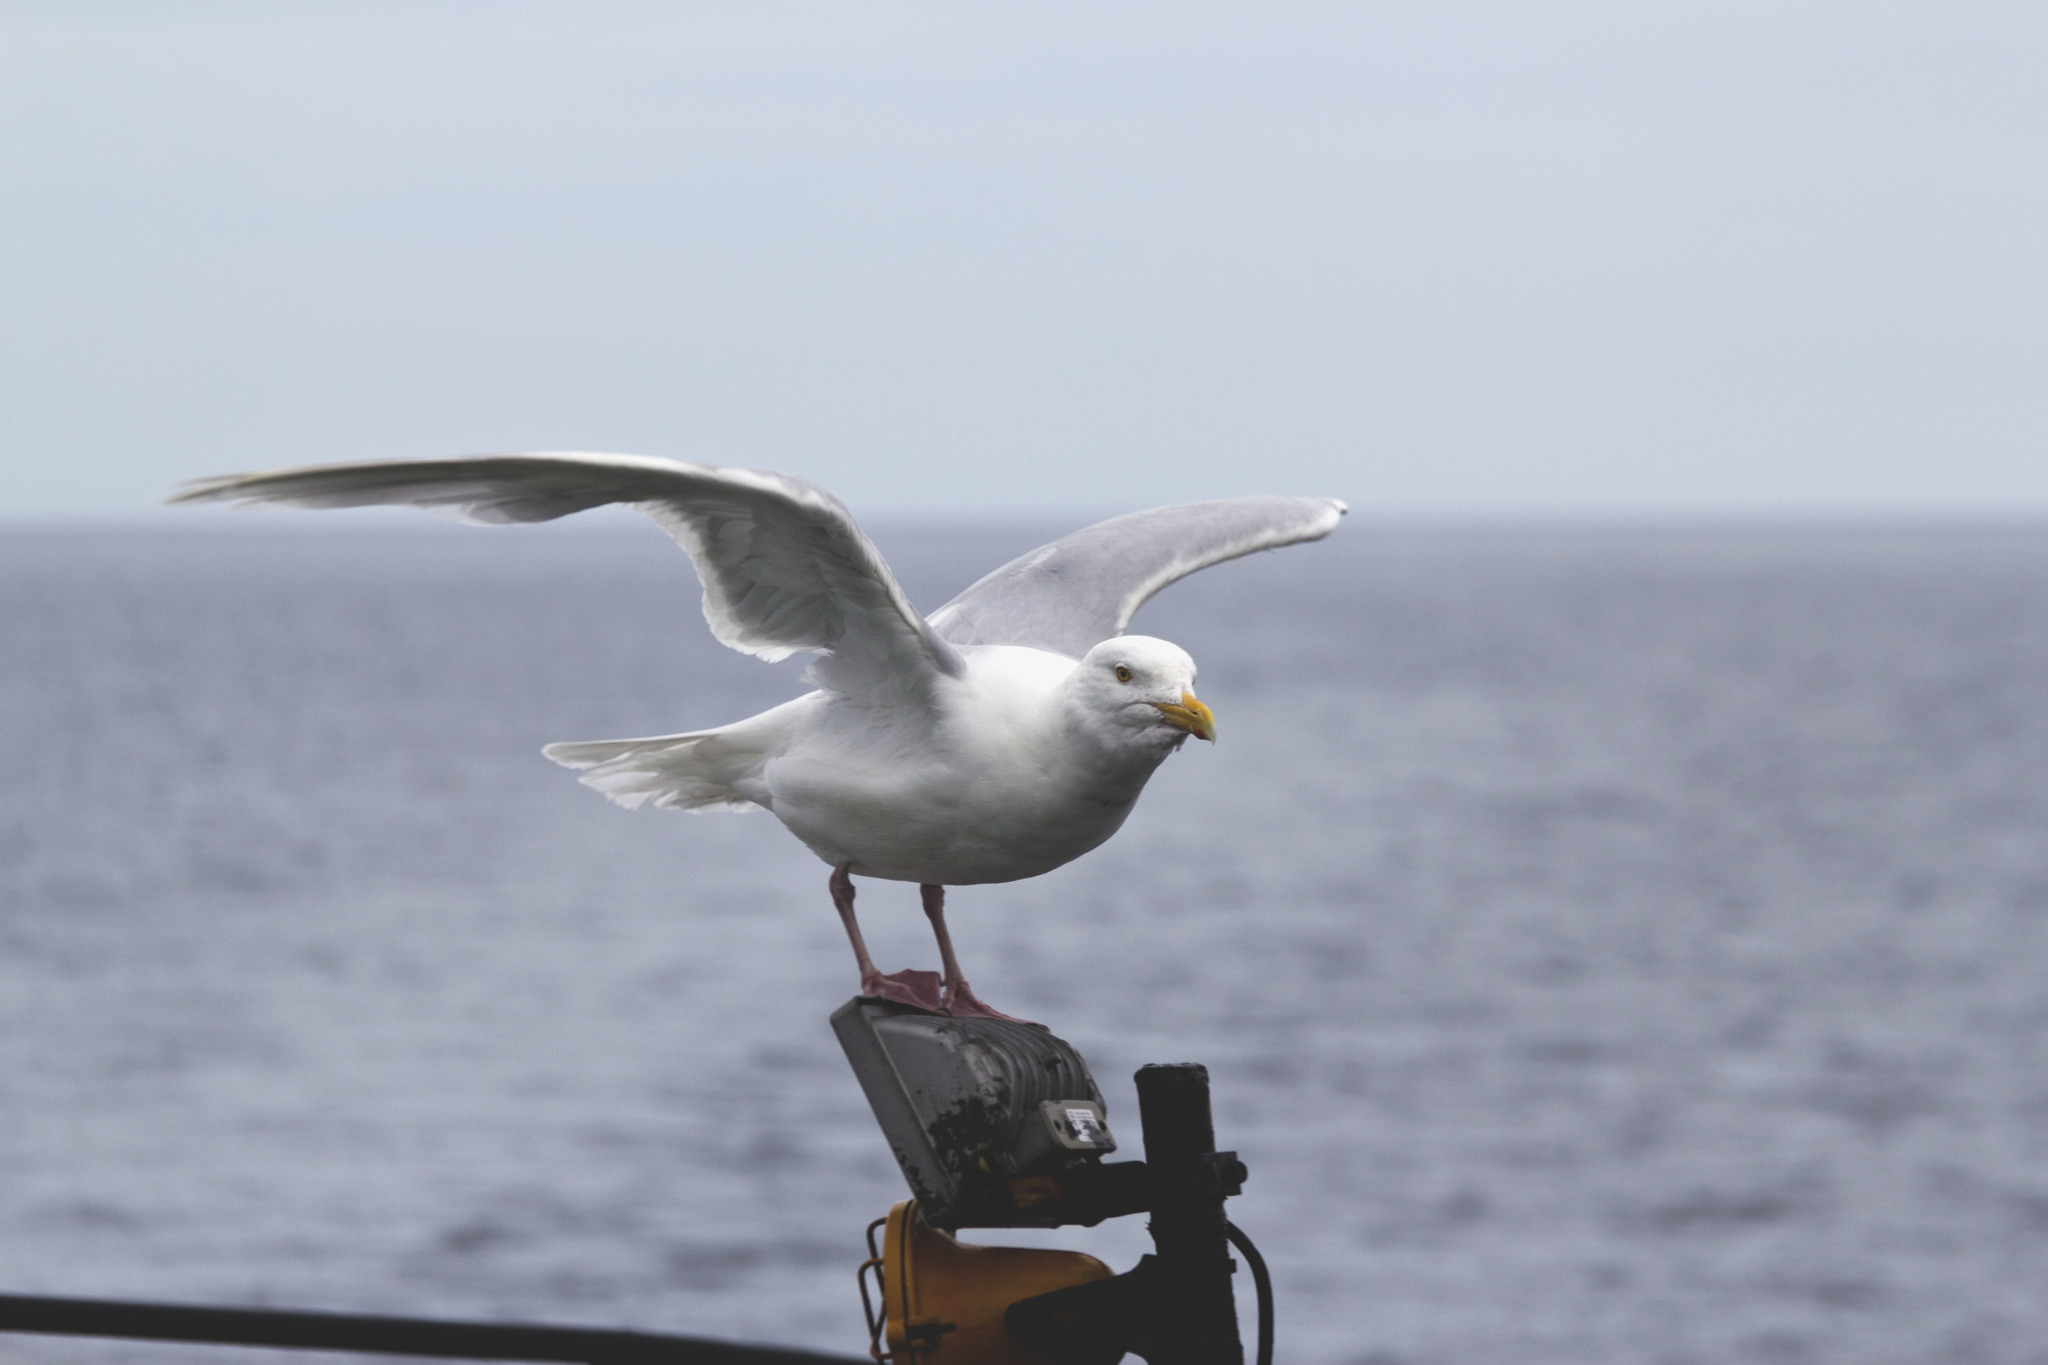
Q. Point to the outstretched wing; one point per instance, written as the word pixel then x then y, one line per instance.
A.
pixel 784 567
pixel 1082 589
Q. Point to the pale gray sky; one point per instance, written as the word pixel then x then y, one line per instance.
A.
pixel 1433 257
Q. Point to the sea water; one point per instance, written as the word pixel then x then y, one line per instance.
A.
pixel 1608 945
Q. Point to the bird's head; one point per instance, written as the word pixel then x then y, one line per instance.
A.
pixel 1142 691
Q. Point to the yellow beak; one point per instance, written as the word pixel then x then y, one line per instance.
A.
pixel 1190 716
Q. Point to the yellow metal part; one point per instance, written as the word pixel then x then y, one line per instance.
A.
pixel 943 1301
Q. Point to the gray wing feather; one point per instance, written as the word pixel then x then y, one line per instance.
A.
pixel 1083 589
pixel 784 566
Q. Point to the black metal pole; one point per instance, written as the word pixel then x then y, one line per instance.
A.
pixel 394 1336
pixel 1194 1315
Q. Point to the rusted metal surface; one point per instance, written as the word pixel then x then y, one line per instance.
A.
pixel 995 1124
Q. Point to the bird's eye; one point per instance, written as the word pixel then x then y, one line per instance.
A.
pixel 1122 674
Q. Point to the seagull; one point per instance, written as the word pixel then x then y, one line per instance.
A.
pixel 1003 736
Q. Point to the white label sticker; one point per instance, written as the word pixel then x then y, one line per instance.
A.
pixel 1085 1127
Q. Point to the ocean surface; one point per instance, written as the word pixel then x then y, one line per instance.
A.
pixel 1608 945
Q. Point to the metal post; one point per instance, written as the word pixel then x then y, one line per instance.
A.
pixel 383 1336
pixel 1194 1316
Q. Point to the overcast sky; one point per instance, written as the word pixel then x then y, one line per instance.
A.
pixel 1434 258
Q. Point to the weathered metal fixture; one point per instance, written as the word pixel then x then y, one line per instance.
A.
pixel 997 1124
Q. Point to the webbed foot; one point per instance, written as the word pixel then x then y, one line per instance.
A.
pixel 919 990
pixel 961 1002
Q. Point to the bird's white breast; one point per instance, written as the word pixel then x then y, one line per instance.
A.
pixel 987 784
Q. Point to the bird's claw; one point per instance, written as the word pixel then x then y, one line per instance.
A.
pixel 919 990
pixel 928 991
pixel 961 1002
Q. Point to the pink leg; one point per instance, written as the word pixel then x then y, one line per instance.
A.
pixel 920 990
pixel 959 998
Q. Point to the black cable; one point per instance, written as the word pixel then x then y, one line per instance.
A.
pixel 387 1336
pixel 1261 1281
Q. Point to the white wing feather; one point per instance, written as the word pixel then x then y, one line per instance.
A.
pixel 784 567
pixel 1084 588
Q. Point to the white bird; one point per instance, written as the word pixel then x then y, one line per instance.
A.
pixel 1005 735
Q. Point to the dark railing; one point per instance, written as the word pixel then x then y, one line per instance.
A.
pixel 383 1336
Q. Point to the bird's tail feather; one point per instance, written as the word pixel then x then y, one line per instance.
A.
pixel 695 772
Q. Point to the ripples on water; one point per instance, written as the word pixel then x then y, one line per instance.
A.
pixel 1608 947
